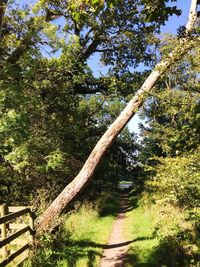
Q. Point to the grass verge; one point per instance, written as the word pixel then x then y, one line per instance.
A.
pixel 159 236
pixel 82 237
pixel 139 230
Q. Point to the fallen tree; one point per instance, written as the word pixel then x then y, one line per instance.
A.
pixel 47 219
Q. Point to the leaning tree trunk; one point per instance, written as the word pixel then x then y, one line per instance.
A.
pixel 71 190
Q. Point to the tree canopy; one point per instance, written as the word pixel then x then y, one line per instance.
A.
pixel 53 108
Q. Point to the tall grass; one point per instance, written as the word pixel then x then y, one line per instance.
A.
pixel 167 243
pixel 81 238
pixel 139 229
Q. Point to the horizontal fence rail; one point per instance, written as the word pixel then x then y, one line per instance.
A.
pixel 17 234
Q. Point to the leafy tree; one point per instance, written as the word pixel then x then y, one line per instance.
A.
pixel 172 112
pixel 106 140
pixel 51 116
pixel 170 153
pixel 54 109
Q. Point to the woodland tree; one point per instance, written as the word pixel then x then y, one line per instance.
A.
pixel 53 108
pixel 106 140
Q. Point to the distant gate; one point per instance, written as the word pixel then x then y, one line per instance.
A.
pixel 17 234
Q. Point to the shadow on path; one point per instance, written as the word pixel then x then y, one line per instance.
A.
pixel 116 250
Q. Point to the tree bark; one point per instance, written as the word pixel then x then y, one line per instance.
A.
pixel 85 175
pixel 3 5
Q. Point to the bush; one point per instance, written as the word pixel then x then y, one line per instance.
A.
pixel 174 197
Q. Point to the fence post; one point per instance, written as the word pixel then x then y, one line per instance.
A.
pixel 31 224
pixel 4 211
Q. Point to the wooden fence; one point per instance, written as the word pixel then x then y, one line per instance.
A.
pixel 17 234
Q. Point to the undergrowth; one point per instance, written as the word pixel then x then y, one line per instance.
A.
pixel 160 235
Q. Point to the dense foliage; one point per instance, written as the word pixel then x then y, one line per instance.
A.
pixel 170 154
pixel 53 108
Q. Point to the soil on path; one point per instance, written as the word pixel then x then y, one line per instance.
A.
pixel 115 252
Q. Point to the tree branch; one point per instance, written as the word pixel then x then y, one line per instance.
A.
pixel 3 6
pixel 105 50
pixel 91 49
pixel 90 88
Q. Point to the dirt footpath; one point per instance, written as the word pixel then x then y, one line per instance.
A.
pixel 115 252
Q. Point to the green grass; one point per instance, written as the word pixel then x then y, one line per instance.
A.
pixel 81 240
pixel 152 248
pixel 139 230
